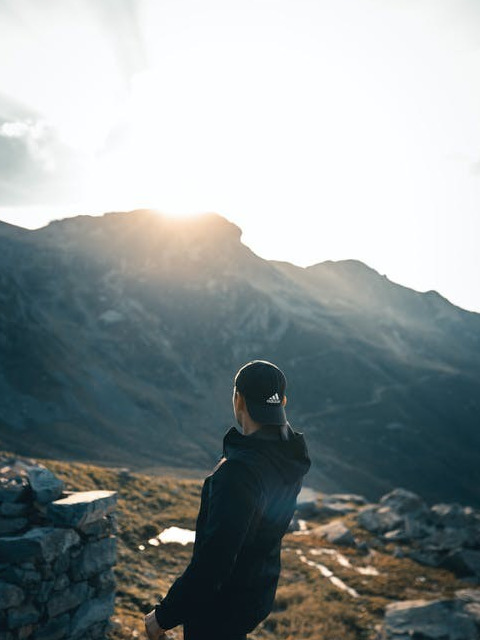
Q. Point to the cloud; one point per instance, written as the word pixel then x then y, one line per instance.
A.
pixel 34 165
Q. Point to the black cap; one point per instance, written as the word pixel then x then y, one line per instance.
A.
pixel 263 385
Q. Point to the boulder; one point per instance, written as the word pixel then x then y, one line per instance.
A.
pixel 335 532
pixel 453 516
pixel 379 519
pixel 463 562
pixel 403 502
pixel 81 508
pixel 450 538
pixel 425 557
pixel 434 620
pixel 401 512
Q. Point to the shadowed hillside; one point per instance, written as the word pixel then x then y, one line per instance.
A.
pixel 119 337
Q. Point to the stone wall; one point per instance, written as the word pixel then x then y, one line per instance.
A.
pixel 57 551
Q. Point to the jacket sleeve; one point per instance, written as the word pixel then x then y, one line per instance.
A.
pixel 233 499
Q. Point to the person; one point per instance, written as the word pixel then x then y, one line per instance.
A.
pixel 247 503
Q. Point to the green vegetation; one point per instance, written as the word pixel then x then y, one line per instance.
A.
pixel 308 606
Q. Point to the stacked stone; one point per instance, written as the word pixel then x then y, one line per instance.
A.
pixel 57 552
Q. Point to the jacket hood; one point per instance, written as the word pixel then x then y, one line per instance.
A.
pixel 289 457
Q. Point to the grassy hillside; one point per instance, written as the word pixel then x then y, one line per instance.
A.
pixel 308 605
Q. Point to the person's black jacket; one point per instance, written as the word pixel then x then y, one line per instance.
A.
pixel 246 506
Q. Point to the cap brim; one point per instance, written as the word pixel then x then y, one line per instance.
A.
pixel 267 414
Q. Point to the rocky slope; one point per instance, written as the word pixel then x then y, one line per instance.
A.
pixel 119 337
pixel 350 569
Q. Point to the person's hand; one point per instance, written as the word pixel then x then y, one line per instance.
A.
pixel 153 630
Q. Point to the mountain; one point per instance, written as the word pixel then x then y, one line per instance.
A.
pixel 120 336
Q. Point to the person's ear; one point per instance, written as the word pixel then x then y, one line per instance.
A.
pixel 284 401
pixel 240 400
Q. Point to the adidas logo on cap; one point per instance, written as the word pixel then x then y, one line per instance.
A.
pixel 275 399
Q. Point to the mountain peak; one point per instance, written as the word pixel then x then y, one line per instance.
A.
pixel 144 229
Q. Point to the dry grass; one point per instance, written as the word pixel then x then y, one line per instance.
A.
pixel 308 606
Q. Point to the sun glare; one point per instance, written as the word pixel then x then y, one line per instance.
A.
pixel 325 130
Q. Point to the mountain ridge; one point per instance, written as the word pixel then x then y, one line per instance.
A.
pixel 120 334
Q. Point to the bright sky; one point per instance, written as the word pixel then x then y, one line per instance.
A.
pixel 326 129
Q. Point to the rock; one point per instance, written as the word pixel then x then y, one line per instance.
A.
pixel 82 508
pixel 14 485
pixel 293 525
pixel 363 547
pixel 339 504
pixel 25 578
pixel 402 502
pixel 469 600
pixel 334 509
pixel 55 629
pixel 95 557
pixel 396 535
pixel 12 525
pixel 103 582
pixel 434 620
pixel 101 528
pixel 13 509
pixel 43 594
pixel 335 532
pixel 427 558
pixel 463 562
pixel 45 485
pixel 10 595
pixel 453 515
pixel 61 563
pixel 39 542
pixel 347 497
pixel 379 519
pixel 61 582
pixel 68 599
pixel 99 630
pixel 25 615
pixel 89 613
pixel 25 632
pixel 401 512
pixel 451 538
pixel 307 503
